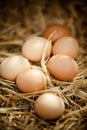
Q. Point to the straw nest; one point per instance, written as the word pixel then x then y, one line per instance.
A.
pixel 18 21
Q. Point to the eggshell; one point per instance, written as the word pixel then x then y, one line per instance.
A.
pixel 60 31
pixel 66 45
pixel 62 67
pixel 12 66
pixel 49 106
pixel 33 48
pixel 31 80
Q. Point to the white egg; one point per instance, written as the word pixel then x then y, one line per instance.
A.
pixel 33 48
pixel 49 106
pixel 12 66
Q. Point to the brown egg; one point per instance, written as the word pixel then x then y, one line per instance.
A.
pixel 62 67
pixel 60 31
pixel 66 45
pixel 12 66
pixel 33 48
pixel 31 80
pixel 49 106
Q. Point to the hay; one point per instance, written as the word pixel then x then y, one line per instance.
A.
pixel 19 21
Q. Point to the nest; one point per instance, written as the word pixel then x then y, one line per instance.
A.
pixel 19 21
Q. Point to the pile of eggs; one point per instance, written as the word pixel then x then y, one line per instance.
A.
pixel 61 52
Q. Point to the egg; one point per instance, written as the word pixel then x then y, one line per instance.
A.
pixel 66 45
pixel 62 67
pixel 60 31
pixel 49 106
pixel 33 48
pixel 12 66
pixel 31 80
